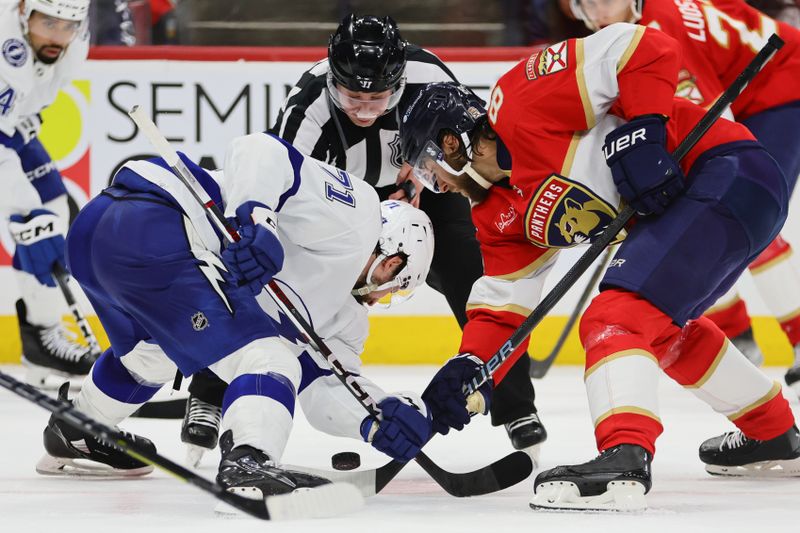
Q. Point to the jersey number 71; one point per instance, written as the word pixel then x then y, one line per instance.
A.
pixel 334 194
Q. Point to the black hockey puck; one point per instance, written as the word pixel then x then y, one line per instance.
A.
pixel 345 461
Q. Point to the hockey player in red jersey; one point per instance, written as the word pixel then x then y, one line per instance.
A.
pixel 718 38
pixel 554 117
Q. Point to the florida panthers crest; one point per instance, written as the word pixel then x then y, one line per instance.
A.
pixel 564 213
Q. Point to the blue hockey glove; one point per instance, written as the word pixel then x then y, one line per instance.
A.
pixel 39 244
pixel 444 395
pixel 646 174
pixel 258 256
pixel 404 430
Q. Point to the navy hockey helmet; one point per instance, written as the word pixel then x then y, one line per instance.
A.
pixel 437 107
pixel 367 54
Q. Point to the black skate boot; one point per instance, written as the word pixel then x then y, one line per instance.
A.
pixel 616 480
pixel 528 434
pixel 200 428
pixel 734 454
pixel 50 350
pixel 746 344
pixel 792 378
pixel 74 452
pixel 250 472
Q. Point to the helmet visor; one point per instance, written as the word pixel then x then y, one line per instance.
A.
pixel 365 105
pixel 425 163
pixel 54 29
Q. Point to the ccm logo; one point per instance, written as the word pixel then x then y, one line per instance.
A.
pixel 34 233
pixel 624 142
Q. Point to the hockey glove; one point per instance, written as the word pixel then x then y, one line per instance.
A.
pixel 39 244
pixel 404 429
pixel 259 254
pixel 646 174
pixel 444 395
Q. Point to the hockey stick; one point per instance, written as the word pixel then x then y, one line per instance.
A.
pixel 324 501
pixel 773 44
pixel 215 215
pixel 62 278
pixel 539 367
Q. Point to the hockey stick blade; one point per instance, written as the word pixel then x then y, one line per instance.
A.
pixel 499 475
pixel 340 496
pixel 502 474
pixel 165 409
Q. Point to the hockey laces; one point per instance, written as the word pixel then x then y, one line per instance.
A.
pixel 525 420
pixel 733 440
pixel 204 414
pixel 56 339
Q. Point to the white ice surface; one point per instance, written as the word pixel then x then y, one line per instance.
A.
pixel 684 498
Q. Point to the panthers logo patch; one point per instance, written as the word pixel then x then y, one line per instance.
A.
pixel 564 213
pixel 687 88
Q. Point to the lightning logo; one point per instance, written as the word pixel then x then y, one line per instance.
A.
pixel 209 263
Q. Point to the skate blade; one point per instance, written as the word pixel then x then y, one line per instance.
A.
pixel 620 496
pixel 194 454
pixel 48 379
pixel 60 466
pixel 363 480
pixel 796 388
pixel 534 452
pixel 326 501
pixel 762 469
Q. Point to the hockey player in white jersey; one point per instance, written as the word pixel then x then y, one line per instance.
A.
pixel 170 296
pixel 43 43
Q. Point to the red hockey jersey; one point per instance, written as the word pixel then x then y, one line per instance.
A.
pixel 553 112
pixel 718 39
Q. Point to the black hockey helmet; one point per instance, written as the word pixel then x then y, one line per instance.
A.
pixel 367 54
pixel 437 107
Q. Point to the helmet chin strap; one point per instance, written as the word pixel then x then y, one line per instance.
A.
pixel 477 178
pixel 370 285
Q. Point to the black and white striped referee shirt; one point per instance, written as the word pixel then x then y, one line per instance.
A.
pixel 314 125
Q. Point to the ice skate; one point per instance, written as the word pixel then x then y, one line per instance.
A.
pixel 746 344
pixel 200 429
pixel 51 351
pixel 73 452
pixel 734 454
pixel 527 434
pixel 616 480
pixel 250 472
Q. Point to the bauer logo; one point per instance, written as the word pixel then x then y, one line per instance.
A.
pixel 15 52
pixel 199 321
pixel 564 213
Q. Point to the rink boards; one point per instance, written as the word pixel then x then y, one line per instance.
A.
pixel 201 99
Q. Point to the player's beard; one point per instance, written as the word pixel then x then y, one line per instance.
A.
pixel 46 59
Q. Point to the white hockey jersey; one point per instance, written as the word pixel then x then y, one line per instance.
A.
pixel 329 225
pixel 26 87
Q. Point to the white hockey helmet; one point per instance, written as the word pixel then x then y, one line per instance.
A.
pixel 589 10
pixel 76 10
pixel 407 231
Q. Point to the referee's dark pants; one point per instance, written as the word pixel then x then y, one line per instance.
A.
pixel 456 265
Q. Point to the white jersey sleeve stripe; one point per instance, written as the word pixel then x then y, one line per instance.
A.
pixel 599 56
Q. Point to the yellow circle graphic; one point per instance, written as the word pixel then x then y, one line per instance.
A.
pixel 62 130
